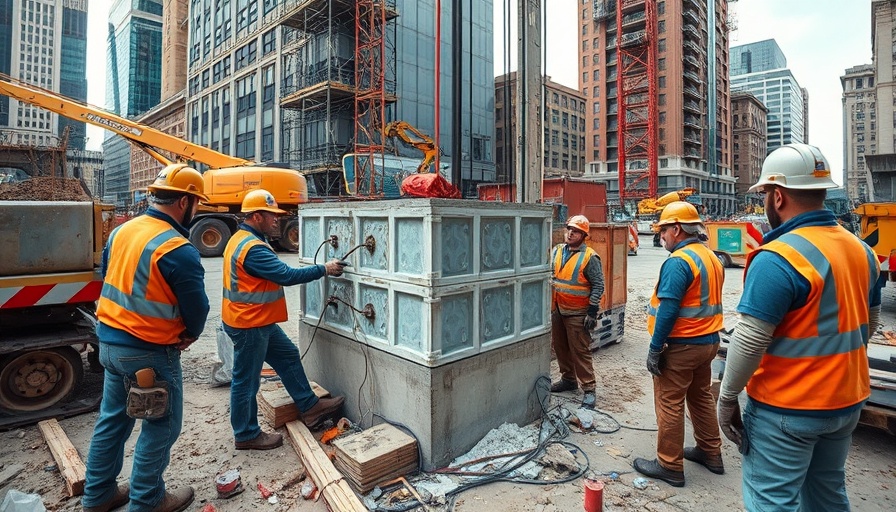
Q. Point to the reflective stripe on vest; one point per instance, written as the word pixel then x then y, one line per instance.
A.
pixel 248 301
pixel 571 289
pixel 700 312
pixel 817 359
pixel 135 297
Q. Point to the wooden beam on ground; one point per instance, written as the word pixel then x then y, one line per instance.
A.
pixel 330 482
pixel 70 465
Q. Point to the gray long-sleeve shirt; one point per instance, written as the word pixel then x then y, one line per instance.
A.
pixel 594 273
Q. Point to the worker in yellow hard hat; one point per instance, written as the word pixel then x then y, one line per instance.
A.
pixel 253 305
pixel 578 284
pixel 684 318
pixel 153 305
pixel 810 302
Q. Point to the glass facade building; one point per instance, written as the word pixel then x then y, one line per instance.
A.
pixel 73 67
pixel 133 80
pixel 5 54
pixel 755 57
pixel 779 91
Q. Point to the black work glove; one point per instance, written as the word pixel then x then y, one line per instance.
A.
pixel 590 323
pixel 730 422
pixel 654 361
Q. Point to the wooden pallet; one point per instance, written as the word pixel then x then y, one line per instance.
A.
pixel 378 454
pixel 277 406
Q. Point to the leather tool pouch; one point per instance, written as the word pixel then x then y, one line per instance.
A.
pixel 147 403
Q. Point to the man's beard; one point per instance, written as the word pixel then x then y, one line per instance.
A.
pixel 774 218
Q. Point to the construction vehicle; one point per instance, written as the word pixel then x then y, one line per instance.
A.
pixel 877 228
pixel 226 181
pixel 649 210
pixel 733 241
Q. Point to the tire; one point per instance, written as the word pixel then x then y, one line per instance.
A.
pixel 289 236
pixel 37 379
pixel 725 259
pixel 656 240
pixel 210 237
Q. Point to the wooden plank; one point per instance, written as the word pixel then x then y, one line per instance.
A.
pixel 330 482
pixel 10 472
pixel 70 465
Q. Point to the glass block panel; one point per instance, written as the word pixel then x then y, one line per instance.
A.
pixel 343 229
pixel 457 322
pixel 457 246
pixel 379 299
pixel 409 312
pixel 532 306
pixel 533 251
pixel 311 237
pixel 410 246
pixel 340 314
pixel 496 316
pixel 313 299
pixel 379 230
pixel 496 244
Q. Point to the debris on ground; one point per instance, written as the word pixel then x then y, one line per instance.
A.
pixel 44 188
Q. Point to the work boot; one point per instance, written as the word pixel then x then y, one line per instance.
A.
pixel 653 469
pixel 263 441
pixel 564 385
pixel 176 500
pixel 710 462
pixel 588 399
pixel 324 408
pixel 118 499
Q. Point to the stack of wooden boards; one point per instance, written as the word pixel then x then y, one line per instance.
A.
pixel 277 406
pixel 376 455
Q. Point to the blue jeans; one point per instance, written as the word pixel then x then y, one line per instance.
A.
pixel 795 463
pixel 251 349
pixel 114 426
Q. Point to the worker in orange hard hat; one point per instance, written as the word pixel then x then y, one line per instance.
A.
pixel 578 284
pixel 253 304
pixel 684 319
pixel 153 306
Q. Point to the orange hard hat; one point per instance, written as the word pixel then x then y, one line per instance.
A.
pixel 260 200
pixel 579 222
pixel 180 178
pixel 679 212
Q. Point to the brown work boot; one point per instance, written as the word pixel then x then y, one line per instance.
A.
pixel 564 385
pixel 118 499
pixel 176 500
pixel 263 441
pixel 654 469
pixel 324 408
pixel 711 462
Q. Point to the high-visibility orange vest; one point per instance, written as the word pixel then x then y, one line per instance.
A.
pixel 817 359
pixel 249 301
pixel 571 289
pixel 701 306
pixel 135 297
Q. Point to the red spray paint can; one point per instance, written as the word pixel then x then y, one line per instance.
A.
pixel 594 495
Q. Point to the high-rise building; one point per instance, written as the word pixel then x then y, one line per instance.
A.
pixel 805 93
pixel 692 95
pixel 859 127
pixel 133 81
pixel 278 81
pixel 564 129
pixel 883 25
pixel 44 43
pixel 755 57
pixel 748 118
pixel 776 88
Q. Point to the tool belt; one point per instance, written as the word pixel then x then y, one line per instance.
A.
pixel 146 402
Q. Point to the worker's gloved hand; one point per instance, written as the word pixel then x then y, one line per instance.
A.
pixel 184 340
pixel 334 267
pixel 730 422
pixel 654 362
pixel 590 323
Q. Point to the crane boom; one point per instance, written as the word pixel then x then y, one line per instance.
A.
pixel 420 141
pixel 146 137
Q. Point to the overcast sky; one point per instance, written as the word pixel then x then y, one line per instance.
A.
pixel 820 38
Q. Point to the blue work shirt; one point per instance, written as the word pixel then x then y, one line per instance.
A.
pixel 263 263
pixel 183 271
pixel 782 289
pixel 675 279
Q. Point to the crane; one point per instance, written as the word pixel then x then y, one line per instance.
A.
pixel 416 139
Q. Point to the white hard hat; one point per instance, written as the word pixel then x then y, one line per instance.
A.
pixel 795 166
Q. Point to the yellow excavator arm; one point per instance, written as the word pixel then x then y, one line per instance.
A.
pixel 414 138
pixel 146 137
pixel 651 205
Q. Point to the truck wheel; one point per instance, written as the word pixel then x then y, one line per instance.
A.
pixel 38 379
pixel 725 259
pixel 210 236
pixel 289 236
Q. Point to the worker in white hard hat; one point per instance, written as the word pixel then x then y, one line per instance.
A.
pixel 809 304
pixel 578 284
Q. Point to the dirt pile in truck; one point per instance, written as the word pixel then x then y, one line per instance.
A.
pixel 44 188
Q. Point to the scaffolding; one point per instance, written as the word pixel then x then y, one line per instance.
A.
pixel 32 160
pixel 636 85
pixel 320 92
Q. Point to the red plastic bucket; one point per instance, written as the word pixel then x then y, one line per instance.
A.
pixel 594 496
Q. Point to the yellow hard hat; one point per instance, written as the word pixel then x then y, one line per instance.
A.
pixel 579 222
pixel 679 212
pixel 260 200
pixel 180 178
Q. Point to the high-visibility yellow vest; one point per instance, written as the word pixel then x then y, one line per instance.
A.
pixel 249 301
pixel 571 289
pixel 701 306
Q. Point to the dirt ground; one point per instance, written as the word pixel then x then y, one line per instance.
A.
pixel 624 391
